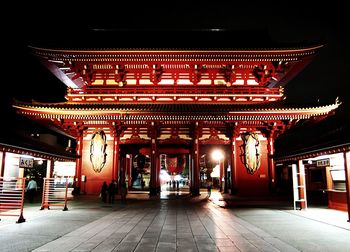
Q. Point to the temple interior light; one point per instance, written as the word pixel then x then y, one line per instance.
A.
pixel 217 155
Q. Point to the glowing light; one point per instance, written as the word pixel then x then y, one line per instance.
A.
pixel 164 176
pixel 217 155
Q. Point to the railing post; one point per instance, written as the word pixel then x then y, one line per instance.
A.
pixel 43 196
pixel 65 197
pixel 21 218
pixel 12 197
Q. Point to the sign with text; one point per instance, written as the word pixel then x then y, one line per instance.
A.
pixel 322 162
pixel 26 162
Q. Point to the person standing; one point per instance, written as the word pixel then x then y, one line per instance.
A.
pixel 104 192
pixel 111 192
pixel 31 189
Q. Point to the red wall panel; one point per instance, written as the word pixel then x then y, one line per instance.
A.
pixel 94 180
pixel 258 183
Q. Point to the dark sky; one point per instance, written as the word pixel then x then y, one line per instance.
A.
pixel 323 80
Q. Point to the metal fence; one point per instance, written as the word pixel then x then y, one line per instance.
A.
pixel 54 193
pixel 12 197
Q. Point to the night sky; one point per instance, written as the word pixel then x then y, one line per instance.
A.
pixel 320 82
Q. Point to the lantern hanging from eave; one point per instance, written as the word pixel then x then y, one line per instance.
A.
pixel 98 145
pixel 250 152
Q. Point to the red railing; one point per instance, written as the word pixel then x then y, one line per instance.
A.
pixel 177 90
pixel 54 193
pixel 12 197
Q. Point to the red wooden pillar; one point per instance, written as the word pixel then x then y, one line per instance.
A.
pixel 153 183
pixel 115 169
pixel 234 187
pixel 2 168
pixel 122 171
pixel 347 179
pixel 79 160
pixel 190 171
pixel 225 175
pixel 195 170
pixel 301 184
pixel 128 168
pixel 158 171
pixel 51 168
pixel 271 164
pixel 113 158
pixel 221 167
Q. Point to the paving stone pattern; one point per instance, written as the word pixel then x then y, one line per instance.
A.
pixel 184 224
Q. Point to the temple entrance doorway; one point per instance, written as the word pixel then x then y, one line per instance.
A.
pixel 174 175
pixel 140 172
pixel 214 167
pixel 135 167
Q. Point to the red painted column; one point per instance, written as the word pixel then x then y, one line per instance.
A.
pixel 113 158
pixel 190 171
pixel 221 173
pixel 158 172
pixel 225 175
pixel 271 163
pixel 195 171
pixel 128 168
pixel 122 171
pixel 301 184
pixel 153 183
pixel 52 167
pixel 347 179
pixel 79 160
pixel 2 168
pixel 115 170
pixel 233 166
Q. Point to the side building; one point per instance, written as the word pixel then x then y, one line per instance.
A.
pixel 32 151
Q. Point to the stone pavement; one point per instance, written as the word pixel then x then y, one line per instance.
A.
pixel 174 223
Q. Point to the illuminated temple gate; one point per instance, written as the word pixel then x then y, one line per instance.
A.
pixel 152 109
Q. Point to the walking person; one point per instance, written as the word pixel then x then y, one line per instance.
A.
pixel 31 189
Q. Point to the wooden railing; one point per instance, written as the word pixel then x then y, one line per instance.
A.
pixel 12 197
pixel 54 194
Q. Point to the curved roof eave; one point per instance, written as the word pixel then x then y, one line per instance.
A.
pixel 64 108
pixel 42 51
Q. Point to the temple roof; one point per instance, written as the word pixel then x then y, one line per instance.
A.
pixel 96 110
pixel 270 67
pixel 176 55
pixel 159 39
